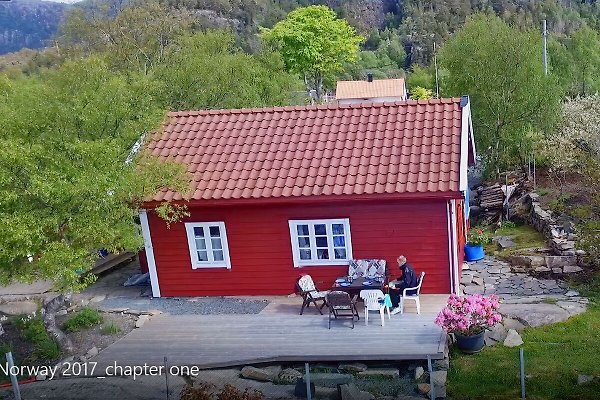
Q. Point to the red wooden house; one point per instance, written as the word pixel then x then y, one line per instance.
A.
pixel 277 192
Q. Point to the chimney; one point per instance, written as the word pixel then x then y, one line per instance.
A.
pixel 369 77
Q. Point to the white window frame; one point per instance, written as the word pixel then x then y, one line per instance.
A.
pixel 196 264
pixel 328 223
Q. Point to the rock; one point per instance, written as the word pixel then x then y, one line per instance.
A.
pixel 510 323
pixel 326 393
pixel 440 392
pixel 92 352
pixel 133 312
pixel 274 371
pixel 582 379
pixel 330 379
pixel 423 388
pixel 61 312
pixel 535 314
pixel 142 319
pixel 97 299
pixel 444 363
pixel 560 261
pixel 154 312
pixel 572 293
pixel 571 269
pixel 390 373
pixel 498 333
pixel 478 281
pixel 289 376
pixel 419 371
pixel 257 374
pixel 504 242
pixel 41 377
pixel 18 307
pixel 439 378
pixel 350 391
pixel 355 367
pixel 572 308
pixel 557 270
pixel 513 339
pixel 474 289
pixel 542 269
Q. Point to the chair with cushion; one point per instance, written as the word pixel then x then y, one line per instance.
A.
pixel 367 268
pixel 341 306
pixel 412 294
pixel 310 294
pixel 374 301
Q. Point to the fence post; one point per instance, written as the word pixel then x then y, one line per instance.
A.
pixel 13 378
pixel 167 378
pixel 522 362
pixel 307 373
pixel 431 385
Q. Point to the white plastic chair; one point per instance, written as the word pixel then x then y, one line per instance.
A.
pixel 414 297
pixel 371 299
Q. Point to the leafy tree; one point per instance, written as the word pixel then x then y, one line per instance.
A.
pixel 419 76
pixel 500 68
pixel 66 188
pixel 419 93
pixel 315 44
pixel 212 73
pixel 585 52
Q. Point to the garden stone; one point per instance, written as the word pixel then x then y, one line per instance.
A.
pixel 498 333
pixel 560 261
pixel 350 391
pixel 571 269
pixel 582 379
pixel 557 270
pixel 92 352
pixel 423 388
pixel 330 379
pixel 440 392
pixel 572 293
pixel 356 367
pixel 513 339
pixel 542 269
pixel 478 281
pixel 419 371
pixel 473 290
pixel 142 319
pixel 61 312
pixel 18 307
pixel 290 376
pixel 510 323
pixel 274 371
pixel 439 378
pixel 444 363
pixel 257 374
pixel 572 307
pixel 390 373
pixel 505 242
pixel 97 299
pixel 535 314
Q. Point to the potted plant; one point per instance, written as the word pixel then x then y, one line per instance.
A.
pixel 476 238
pixel 467 317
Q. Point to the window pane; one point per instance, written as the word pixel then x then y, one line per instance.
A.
pixel 199 231
pixel 339 241
pixel 321 241
pixel 303 242
pixel 305 254
pixel 216 244
pixel 215 231
pixel 323 254
pixel 302 230
pixel 218 255
pixel 338 229
pixel 320 229
pixel 200 244
pixel 340 254
pixel 202 256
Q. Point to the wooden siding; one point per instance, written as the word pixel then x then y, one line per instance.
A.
pixel 261 253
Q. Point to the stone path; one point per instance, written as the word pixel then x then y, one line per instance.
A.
pixel 529 300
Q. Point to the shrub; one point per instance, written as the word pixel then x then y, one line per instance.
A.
pixel 478 236
pixel 203 391
pixel 230 392
pixel 111 329
pixel 85 318
pixel 33 331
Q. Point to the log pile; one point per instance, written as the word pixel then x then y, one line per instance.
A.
pixel 491 197
pixel 487 200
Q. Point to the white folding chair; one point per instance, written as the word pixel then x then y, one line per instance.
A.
pixel 414 297
pixel 372 298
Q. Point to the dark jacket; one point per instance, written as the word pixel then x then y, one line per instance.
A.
pixel 408 278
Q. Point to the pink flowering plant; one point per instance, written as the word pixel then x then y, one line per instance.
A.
pixel 469 315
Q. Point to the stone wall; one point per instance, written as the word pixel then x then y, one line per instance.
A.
pixel 559 232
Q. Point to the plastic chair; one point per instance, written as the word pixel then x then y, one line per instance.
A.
pixel 414 297
pixel 373 300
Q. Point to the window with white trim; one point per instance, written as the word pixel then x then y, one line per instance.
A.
pixel 208 244
pixel 321 242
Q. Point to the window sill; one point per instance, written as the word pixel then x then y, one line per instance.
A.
pixel 323 264
pixel 211 266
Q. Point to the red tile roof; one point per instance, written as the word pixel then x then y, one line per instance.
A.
pixel 368 90
pixel 404 147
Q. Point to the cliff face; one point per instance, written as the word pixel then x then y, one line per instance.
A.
pixel 28 23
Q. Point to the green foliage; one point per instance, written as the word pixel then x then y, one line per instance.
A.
pixel 420 93
pixel 111 329
pixel 478 236
pixel 314 43
pixel 84 318
pixel 561 203
pixel 585 52
pixel 420 77
pixel 589 241
pixel 33 331
pixel 499 68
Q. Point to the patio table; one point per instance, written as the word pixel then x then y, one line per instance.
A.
pixel 353 288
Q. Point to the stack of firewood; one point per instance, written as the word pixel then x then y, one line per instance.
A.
pixel 491 197
pixel 487 201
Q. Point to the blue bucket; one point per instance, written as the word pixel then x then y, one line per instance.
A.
pixel 473 252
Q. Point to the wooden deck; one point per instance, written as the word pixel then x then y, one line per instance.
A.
pixel 279 334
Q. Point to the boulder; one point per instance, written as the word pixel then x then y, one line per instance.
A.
pixel 389 373
pixel 97 299
pixel 439 378
pixel 289 376
pixel 419 371
pixel 504 242
pixel 511 323
pixel 497 333
pixel 18 307
pixel 423 388
pixel 513 339
pixel 142 319
pixel 573 308
pixel 572 293
pixel 535 314
pixel 572 269
pixel 583 379
pixel 542 269
pixel 444 363
pixel 354 367
pixel 560 261
pixel 61 312
pixel 257 374
pixel 350 391
pixel 330 379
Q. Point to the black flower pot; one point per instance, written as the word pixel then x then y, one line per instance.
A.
pixel 470 344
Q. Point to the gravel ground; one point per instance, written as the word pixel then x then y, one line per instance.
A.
pixel 198 305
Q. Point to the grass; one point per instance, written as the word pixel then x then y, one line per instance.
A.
pixel 111 329
pixel 84 318
pixel 524 236
pixel 554 356
pixel 33 331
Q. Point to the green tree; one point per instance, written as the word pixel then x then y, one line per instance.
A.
pixel 419 93
pixel 500 68
pixel 69 183
pixel 315 44
pixel 212 73
pixel 585 52
pixel 419 76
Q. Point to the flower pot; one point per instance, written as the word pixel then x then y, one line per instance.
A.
pixel 474 252
pixel 470 344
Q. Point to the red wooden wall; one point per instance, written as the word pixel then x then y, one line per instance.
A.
pixel 261 253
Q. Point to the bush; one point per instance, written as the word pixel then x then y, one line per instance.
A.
pixel 85 318
pixel 111 329
pixel 33 331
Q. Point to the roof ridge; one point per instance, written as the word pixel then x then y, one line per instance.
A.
pixel 328 106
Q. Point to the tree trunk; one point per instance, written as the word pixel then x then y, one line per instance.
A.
pixel 50 310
